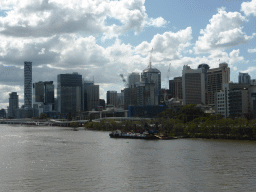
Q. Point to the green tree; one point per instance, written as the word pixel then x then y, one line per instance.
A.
pixel 74 124
pixel 43 116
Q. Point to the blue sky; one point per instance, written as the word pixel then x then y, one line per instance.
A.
pixel 101 39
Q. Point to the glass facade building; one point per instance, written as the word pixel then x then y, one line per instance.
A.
pixel 28 84
pixel 69 93
pixel 13 104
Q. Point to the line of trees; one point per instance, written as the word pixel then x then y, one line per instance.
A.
pixel 190 121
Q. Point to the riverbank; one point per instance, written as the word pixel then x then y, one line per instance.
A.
pixel 238 129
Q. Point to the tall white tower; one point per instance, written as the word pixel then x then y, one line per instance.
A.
pixel 28 84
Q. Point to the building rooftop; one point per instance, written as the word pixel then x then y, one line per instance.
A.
pixel 151 70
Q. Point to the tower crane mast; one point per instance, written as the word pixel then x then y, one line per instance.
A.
pixel 150 58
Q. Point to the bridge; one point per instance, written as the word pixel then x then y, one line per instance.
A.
pixel 40 122
pixel 64 122
pixel 121 119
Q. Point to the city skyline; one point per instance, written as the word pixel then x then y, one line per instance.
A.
pixel 103 39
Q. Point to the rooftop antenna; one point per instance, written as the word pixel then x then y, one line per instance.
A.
pixel 150 58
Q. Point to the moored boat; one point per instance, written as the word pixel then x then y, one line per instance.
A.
pixel 119 134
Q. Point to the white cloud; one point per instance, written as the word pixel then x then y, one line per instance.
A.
pixel 158 22
pixel 224 30
pixel 213 60
pixel 167 46
pixel 249 8
pixel 249 70
pixel 234 57
pixel 251 50
pixel 4 94
pixel 44 18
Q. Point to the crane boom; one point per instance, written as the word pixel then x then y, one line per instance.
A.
pixel 123 79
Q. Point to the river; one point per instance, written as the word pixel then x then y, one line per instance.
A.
pixel 59 159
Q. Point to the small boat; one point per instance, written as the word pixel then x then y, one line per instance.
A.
pixel 167 138
pixel 119 134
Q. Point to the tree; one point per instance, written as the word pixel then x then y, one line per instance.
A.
pixel 43 116
pixel 74 124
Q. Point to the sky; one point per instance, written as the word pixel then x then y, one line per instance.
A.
pixel 101 39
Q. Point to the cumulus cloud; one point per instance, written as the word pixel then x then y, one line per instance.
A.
pixel 249 8
pixel 11 75
pixel 251 50
pixel 249 70
pixel 216 57
pixel 224 30
pixel 44 18
pixel 158 22
pixel 4 94
pixel 167 46
pixel 15 50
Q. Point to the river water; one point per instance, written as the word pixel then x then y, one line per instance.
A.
pixel 59 159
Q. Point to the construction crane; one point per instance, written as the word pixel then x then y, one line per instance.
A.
pixel 124 80
pixel 167 83
pixel 168 76
pixel 150 58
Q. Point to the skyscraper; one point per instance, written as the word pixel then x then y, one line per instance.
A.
pixel 244 78
pixel 48 92
pixel 13 104
pixel 38 92
pixel 28 84
pixel 112 98
pixel 133 78
pixel 216 78
pixel 43 93
pixel 151 81
pixel 193 85
pixel 69 93
pixel 91 95
pixel 130 97
pixel 175 87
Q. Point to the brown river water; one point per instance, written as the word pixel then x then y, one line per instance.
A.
pixel 59 159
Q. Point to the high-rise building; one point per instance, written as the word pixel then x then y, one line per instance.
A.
pixel 133 78
pixel 216 77
pixel 13 104
pixel 253 82
pixel 91 95
pixel 146 93
pixel 130 97
pixel 48 92
pixel 38 92
pixel 102 103
pixel 2 113
pixel 175 88
pixel 43 95
pixel 69 93
pixel 28 84
pixel 252 99
pixel 120 99
pixel 193 85
pixel 244 78
pixel 233 100
pixel 151 78
pixel 112 98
